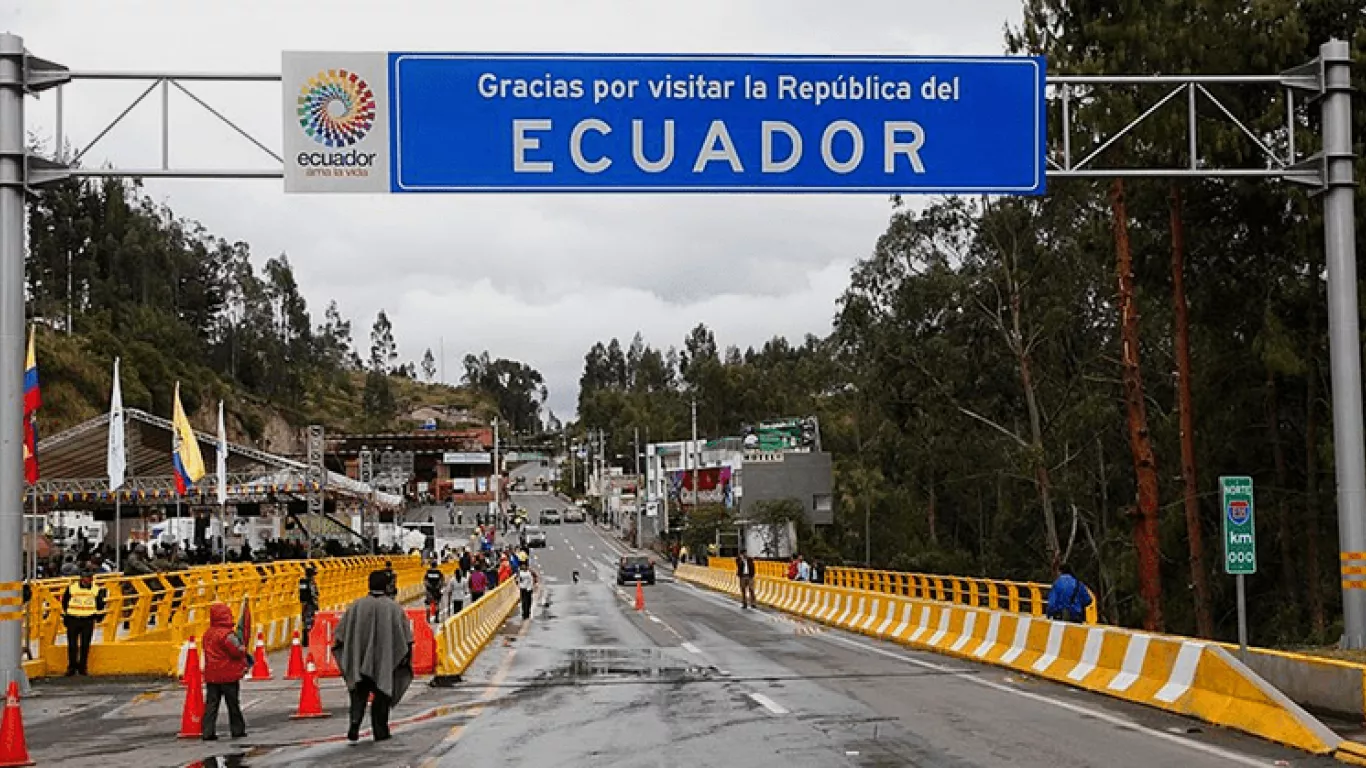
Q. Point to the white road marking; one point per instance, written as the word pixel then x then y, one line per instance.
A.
pixel 769 704
pixel 690 648
pixel 654 618
pixel 1101 715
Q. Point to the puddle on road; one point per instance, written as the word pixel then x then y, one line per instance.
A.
pixel 590 663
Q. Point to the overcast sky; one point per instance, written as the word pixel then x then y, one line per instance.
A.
pixel 534 278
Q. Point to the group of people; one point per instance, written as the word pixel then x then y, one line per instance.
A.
pixel 800 570
pixel 476 574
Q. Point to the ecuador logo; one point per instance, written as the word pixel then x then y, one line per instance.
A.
pixel 336 108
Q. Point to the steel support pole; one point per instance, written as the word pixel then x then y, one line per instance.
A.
pixel 11 348
pixel 1344 341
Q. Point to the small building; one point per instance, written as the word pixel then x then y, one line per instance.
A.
pixel 737 472
pixel 432 465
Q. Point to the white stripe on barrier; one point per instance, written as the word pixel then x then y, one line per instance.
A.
pixel 806 596
pixel 858 614
pixel 969 623
pixel 1090 655
pixel 1050 654
pixel 817 611
pixel 834 607
pixel 924 623
pixel 993 626
pixel 905 620
pixel 848 606
pixel 872 614
pixel 891 616
pixel 1017 646
pixel 944 616
pixel 1183 673
pixel 1133 663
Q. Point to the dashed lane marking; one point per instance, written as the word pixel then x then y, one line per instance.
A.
pixel 769 704
pixel 690 648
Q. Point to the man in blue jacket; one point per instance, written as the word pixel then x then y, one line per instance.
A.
pixel 1068 598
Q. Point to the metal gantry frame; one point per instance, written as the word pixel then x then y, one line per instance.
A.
pixel 1329 173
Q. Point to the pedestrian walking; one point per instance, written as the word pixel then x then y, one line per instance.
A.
pixel 457 591
pixel 744 568
pixel 374 649
pixel 435 581
pixel 479 583
pixel 82 606
pixel 225 662
pixel 308 601
pixel 526 583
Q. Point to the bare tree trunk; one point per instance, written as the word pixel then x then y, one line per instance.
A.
pixel 1317 617
pixel 1041 476
pixel 932 516
pixel 1204 623
pixel 1284 528
pixel 1146 540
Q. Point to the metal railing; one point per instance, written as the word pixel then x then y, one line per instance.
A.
pixel 994 594
pixel 148 618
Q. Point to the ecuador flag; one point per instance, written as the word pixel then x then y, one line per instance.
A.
pixel 32 399
pixel 189 465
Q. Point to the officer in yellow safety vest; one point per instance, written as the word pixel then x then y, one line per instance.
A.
pixel 82 606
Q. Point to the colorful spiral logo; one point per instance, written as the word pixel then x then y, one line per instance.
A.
pixel 336 108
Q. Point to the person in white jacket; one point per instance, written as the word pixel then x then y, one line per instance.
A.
pixel 457 591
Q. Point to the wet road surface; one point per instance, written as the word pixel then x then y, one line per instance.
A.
pixel 693 680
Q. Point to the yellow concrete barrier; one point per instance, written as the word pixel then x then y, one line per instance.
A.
pixel 464 635
pixel 1189 677
pixel 148 619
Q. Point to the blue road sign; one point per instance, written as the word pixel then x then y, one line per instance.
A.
pixel 656 123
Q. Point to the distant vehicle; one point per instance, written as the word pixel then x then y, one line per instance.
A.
pixel 550 517
pixel 535 537
pixel 633 568
pixel 574 515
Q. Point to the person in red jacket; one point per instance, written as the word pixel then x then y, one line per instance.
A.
pixel 225 661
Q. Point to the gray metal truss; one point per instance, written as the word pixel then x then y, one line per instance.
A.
pixel 1064 94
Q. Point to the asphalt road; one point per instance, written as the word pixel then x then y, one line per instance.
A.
pixel 691 680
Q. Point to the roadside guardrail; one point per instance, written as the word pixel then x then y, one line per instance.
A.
pixel 1189 677
pixel 149 618
pixel 995 594
pixel 462 636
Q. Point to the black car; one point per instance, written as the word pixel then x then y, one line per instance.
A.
pixel 550 517
pixel 633 568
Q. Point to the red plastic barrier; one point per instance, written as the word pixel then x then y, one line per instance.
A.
pixel 320 643
pixel 424 642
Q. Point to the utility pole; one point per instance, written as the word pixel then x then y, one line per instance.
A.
pixel 1344 339
pixel 635 443
pixel 497 478
pixel 697 455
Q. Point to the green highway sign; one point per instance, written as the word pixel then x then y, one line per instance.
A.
pixel 1240 536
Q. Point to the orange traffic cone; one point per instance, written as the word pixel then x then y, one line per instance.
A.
pixel 189 657
pixel 261 669
pixel 13 746
pixel 192 716
pixel 310 698
pixel 640 597
pixel 295 670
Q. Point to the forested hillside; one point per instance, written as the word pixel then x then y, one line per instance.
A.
pixel 178 303
pixel 1016 383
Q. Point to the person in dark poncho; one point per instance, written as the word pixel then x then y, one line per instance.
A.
pixel 374 649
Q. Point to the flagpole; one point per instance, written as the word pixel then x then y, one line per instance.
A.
pixel 118 533
pixel 33 558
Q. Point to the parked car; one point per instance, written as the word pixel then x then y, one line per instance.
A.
pixel 550 517
pixel 633 568
pixel 574 515
pixel 535 537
